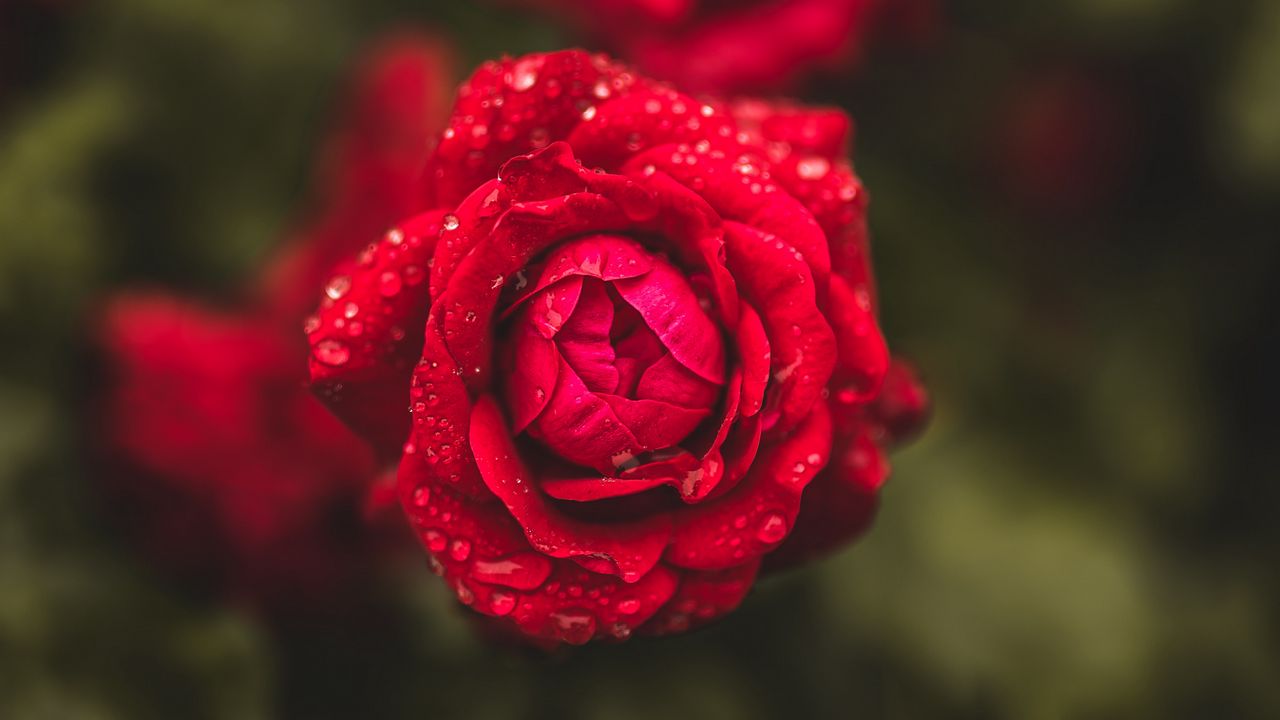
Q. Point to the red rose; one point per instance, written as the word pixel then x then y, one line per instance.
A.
pixel 636 329
pixel 227 469
pixel 742 46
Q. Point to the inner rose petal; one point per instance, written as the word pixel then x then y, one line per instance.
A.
pixel 639 363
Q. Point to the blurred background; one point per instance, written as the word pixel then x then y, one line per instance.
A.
pixel 1074 211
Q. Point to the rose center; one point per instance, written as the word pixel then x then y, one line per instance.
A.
pixel 612 355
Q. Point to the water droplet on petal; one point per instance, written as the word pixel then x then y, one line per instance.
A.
pixel 628 606
pixel 772 529
pixel 337 287
pixel 576 627
pixel 501 602
pixel 523 571
pixel 813 168
pixel 389 283
pixel 435 540
pixel 524 74
pixel 460 550
pixel 422 495
pixel 450 222
pixel 331 352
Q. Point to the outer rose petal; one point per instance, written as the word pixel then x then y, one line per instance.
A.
pixel 761 511
pixel 902 408
pixel 703 597
pixel 863 357
pixel 735 185
pixel 839 504
pixel 512 107
pixel 368 329
pixel 646 118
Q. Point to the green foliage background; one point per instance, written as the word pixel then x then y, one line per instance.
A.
pixel 1089 529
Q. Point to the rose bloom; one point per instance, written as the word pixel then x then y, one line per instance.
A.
pixel 745 45
pixel 635 333
pixel 223 467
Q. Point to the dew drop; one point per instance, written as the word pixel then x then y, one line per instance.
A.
pixel 460 549
pixel 422 495
pixel 523 571
pixel 813 168
pixel 450 222
pixel 772 529
pixel 524 74
pixel 502 602
pixel 337 287
pixel 576 627
pixel 435 540
pixel 389 283
pixel 331 352
pixel 350 311
pixel 628 606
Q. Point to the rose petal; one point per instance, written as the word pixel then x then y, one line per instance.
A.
pixel 735 185
pixel 803 347
pixel 666 379
pixel 533 370
pixel 582 428
pixel 368 329
pixel 838 505
pixel 654 423
pixel 669 307
pixel 902 408
pixel 862 357
pixel 759 513
pixel 515 106
pixel 703 597
pixel 584 340
pixel 644 118
pixel 628 550
pixel 755 356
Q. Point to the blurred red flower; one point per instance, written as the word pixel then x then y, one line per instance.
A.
pixel 224 466
pixel 634 332
pixel 729 47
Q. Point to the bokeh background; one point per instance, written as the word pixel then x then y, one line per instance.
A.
pixel 1075 212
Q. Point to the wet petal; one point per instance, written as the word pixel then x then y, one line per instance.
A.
pixel 368 330
pixel 515 106
pixel 628 550
pixel 761 511
pixel 703 597
pixel 803 347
